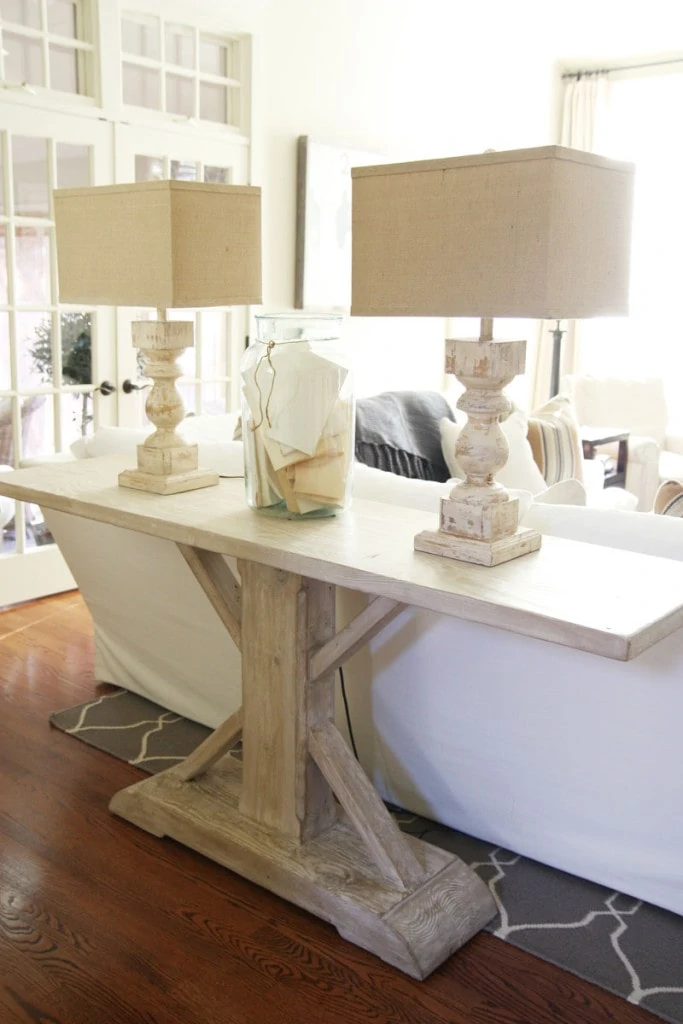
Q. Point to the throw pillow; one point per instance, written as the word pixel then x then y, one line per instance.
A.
pixel 555 443
pixel 520 470
pixel 669 499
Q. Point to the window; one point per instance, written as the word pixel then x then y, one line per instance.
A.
pixel 45 45
pixel 180 70
pixel 640 127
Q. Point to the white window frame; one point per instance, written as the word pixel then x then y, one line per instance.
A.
pixel 83 44
pixel 238 124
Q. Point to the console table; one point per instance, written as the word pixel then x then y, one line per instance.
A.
pixel 300 816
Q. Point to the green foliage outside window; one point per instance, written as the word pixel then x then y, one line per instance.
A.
pixel 76 329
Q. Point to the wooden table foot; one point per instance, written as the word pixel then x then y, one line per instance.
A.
pixel 414 928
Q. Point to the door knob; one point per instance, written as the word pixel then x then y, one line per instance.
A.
pixel 128 387
pixel 106 388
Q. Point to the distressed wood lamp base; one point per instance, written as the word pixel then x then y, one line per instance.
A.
pixel 478 521
pixel 172 483
pixel 274 818
pixel 481 552
pixel 166 463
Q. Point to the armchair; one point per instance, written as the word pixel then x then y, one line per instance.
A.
pixel 654 454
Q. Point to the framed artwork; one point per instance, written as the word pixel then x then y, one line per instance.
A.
pixel 323 224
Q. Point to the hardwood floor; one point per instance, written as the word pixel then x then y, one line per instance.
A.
pixel 101 923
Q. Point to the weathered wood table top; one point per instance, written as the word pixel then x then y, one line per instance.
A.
pixel 607 601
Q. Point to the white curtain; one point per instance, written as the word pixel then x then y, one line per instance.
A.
pixel 584 112
pixel 584 121
pixel 644 126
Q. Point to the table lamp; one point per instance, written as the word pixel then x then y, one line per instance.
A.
pixel 168 244
pixel 535 233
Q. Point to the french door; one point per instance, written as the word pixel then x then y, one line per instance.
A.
pixel 96 92
pixel 210 370
pixel 53 357
pixel 56 361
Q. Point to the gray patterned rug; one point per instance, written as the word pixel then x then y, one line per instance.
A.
pixel 622 944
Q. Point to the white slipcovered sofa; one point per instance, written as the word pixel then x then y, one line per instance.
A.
pixel 563 756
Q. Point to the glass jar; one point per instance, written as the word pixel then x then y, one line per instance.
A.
pixel 298 416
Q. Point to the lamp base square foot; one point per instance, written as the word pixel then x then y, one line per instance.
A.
pixel 481 552
pixel 173 483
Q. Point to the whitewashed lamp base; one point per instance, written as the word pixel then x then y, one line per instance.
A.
pixel 480 552
pixel 166 463
pixel 169 483
pixel 479 522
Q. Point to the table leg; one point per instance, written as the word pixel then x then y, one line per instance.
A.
pixel 275 819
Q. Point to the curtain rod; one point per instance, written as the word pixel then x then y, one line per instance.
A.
pixel 622 67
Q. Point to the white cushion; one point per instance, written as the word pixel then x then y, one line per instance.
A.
pixel 520 471
pixel 377 485
pixel 593 475
pixel 614 498
pixel 217 450
pixel 192 428
pixel 209 428
pixel 630 531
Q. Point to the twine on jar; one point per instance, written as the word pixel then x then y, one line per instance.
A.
pixel 266 355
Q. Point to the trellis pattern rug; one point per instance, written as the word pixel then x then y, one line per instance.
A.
pixel 622 944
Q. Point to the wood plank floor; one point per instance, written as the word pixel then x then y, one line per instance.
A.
pixel 103 924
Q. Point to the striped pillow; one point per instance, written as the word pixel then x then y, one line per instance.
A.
pixel 669 499
pixel 554 438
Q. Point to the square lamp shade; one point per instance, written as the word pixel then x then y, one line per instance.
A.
pixel 535 233
pixel 540 233
pixel 168 244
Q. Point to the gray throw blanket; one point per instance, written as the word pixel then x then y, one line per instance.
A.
pixel 398 431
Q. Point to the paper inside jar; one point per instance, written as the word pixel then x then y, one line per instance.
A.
pixel 302 428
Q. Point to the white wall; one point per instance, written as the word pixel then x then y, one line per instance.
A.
pixel 405 79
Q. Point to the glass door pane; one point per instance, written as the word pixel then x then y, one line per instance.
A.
pixel 32 277
pixel 21 12
pixel 30 170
